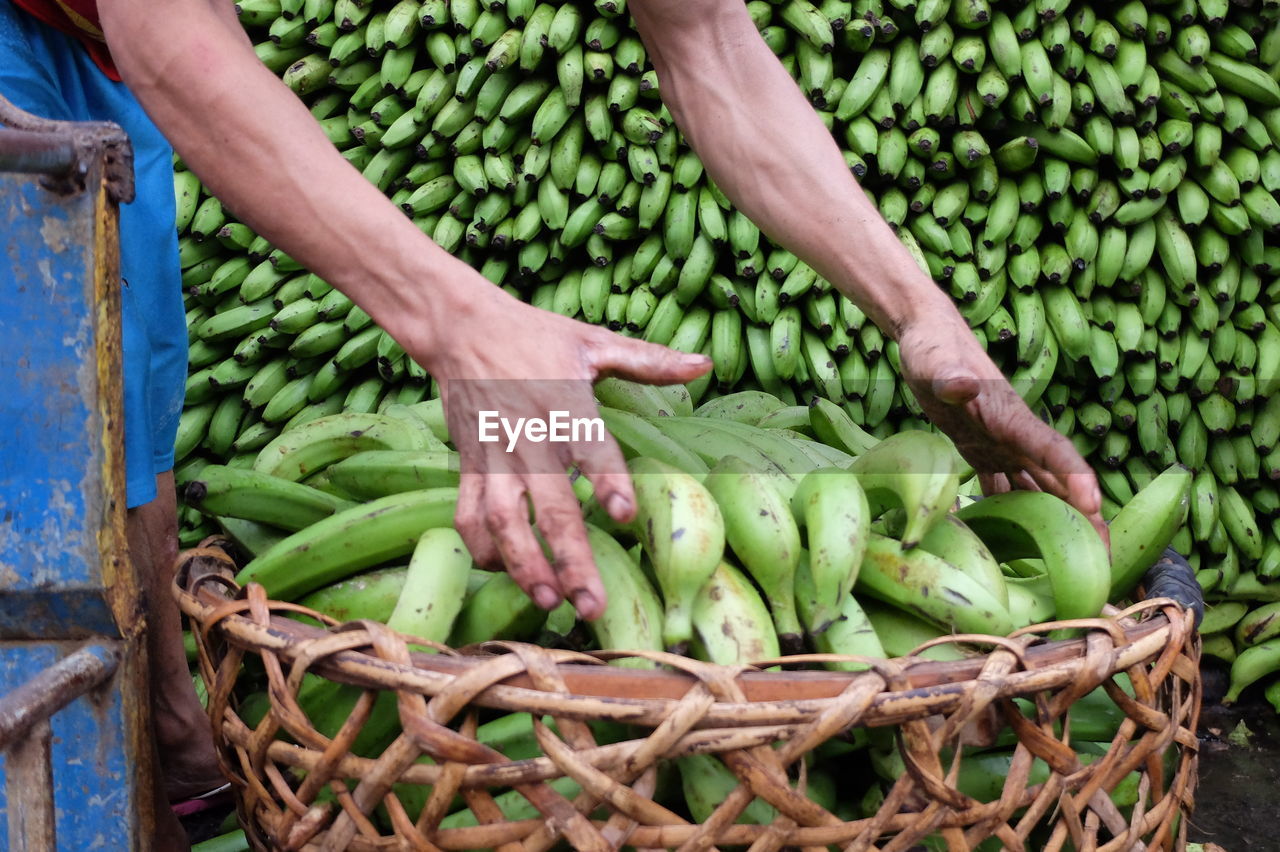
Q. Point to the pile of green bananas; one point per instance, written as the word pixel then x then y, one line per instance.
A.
pixel 1096 185
pixel 1242 633
pixel 743 493
pixel 762 529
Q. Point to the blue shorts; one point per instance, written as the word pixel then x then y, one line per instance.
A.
pixel 50 74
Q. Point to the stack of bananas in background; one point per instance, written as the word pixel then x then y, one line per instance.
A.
pixel 1096 185
pixel 762 529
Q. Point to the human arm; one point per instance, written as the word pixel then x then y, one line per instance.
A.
pixel 769 152
pixel 255 145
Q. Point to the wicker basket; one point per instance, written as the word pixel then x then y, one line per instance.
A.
pixel 297 789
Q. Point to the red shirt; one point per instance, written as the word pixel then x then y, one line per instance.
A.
pixel 78 18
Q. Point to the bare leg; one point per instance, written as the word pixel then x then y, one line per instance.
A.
pixel 184 743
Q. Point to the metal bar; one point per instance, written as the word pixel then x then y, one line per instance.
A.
pixel 29 785
pixel 91 142
pixel 53 689
pixel 33 152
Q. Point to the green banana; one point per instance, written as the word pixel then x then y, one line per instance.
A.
pixel 633 397
pixel 712 440
pixel 706 782
pixel 922 583
pixel 633 617
pixel 349 540
pixel 900 632
pixel 1219 646
pixel 638 437
pixel 434 588
pixel 1198 358
pixel 849 633
pixel 1035 524
pixel 370 474
pixel 255 496
pixel 1030 598
pixel 763 535
pixel 1145 526
pixel 1252 627
pixel 683 534
pixel 300 452
pixel 831 506
pixel 498 609
pixel 748 406
pixel 372 595
pixel 915 471
pixel 1251 665
pixel 834 427
pixel 952 540
pixel 1238 520
pixel 731 621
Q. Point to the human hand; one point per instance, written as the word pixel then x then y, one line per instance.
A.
pixel 516 361
pixel 964 394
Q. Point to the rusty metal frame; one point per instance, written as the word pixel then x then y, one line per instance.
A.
pixel 77 718
pixel 54 688
pixel 26 738
pixel 66 152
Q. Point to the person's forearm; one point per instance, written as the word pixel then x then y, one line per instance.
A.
pixel 255 145
pixel 768 150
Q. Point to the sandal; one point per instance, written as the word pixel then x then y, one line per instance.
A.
pixel 205 801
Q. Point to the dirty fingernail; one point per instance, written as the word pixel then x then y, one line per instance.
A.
pixel 545 596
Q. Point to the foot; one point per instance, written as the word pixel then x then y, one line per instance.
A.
pixel 190 771
pixel 180 785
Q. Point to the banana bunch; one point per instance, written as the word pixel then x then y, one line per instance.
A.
pixel 1243 634
pixel 775 547
pixel 882 526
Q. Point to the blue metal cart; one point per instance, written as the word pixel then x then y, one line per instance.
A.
pixel 74 756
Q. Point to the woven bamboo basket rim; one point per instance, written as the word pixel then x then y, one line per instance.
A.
pixel 739 713
pixel 914 685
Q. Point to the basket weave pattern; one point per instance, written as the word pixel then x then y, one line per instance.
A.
pixel 760 724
